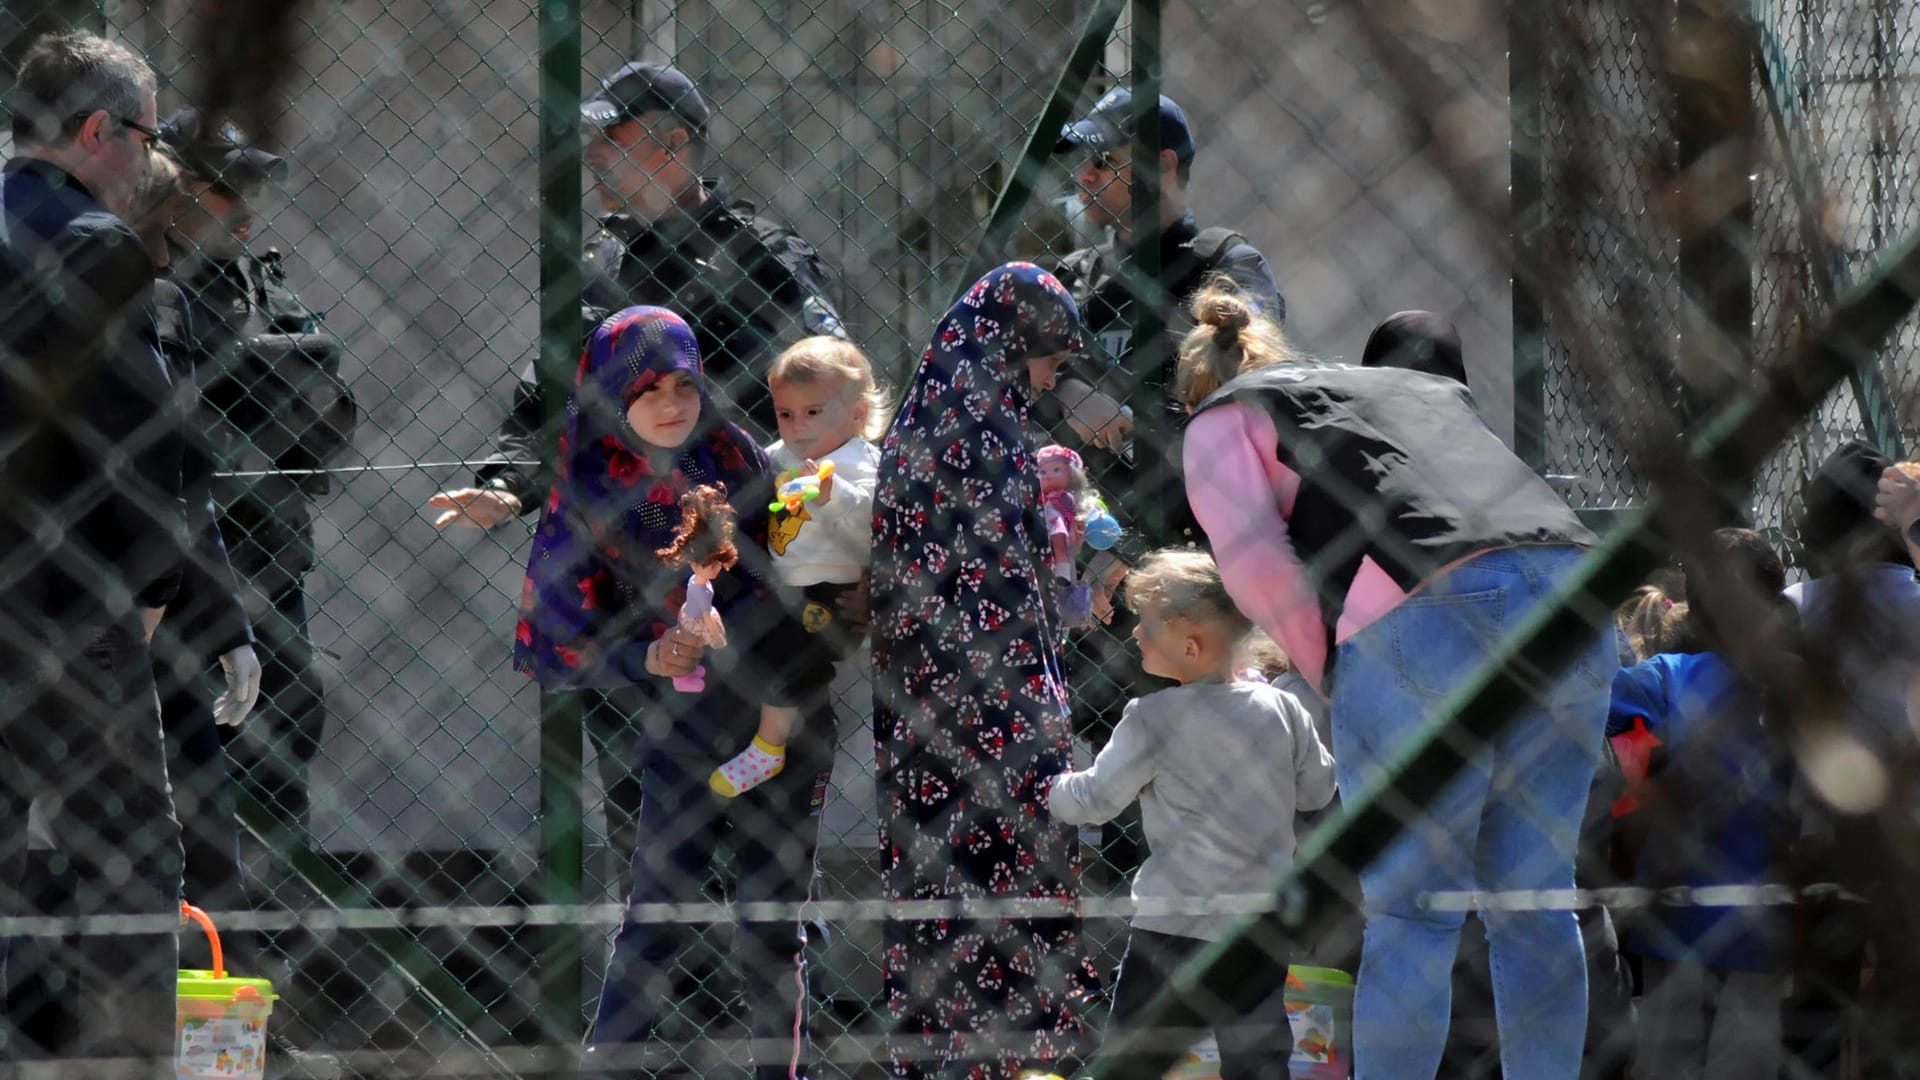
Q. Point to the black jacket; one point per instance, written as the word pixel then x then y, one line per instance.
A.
pixel 1189 256
pixel 1395 466
pixel 747 286
pixel 91 520
pixel 206 616
pixel 271 399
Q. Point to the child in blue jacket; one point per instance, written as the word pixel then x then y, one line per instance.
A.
pixel 1716 971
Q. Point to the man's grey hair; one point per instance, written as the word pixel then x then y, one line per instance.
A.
pixel 66 77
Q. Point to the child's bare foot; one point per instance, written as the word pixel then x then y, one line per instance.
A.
pixel 748 769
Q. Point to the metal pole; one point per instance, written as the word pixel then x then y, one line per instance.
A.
pixel 1526 69
pixel 1716 135
pixel 1040 142
pixel 560 729
pixel 1149 293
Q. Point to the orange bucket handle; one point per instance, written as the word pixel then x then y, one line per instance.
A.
pixel 188 911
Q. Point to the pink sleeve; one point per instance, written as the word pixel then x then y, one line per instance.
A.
pixel 1237 489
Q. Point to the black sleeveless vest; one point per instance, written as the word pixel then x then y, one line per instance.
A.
pixel 1395 466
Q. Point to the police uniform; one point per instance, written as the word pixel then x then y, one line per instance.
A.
pixel 272 402
pixel 206 620
pixel 1105 665
pixel 747 286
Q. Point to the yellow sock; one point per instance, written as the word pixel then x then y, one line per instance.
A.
pixel 760 762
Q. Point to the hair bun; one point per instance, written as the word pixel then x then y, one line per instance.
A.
pixel 1223 308
pixel 1226 311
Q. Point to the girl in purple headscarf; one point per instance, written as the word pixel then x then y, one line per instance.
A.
pixel 970 702
pixel 600 612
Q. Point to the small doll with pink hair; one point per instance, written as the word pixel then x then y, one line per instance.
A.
pixel 1075 516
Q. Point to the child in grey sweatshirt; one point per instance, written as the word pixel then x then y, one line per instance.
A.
pixel 1219 766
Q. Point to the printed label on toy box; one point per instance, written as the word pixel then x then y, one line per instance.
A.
pixel 221 1049
pixel 1312 1034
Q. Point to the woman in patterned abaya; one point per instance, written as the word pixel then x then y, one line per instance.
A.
pixel 970 699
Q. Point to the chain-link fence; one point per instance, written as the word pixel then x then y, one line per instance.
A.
pixel 433 874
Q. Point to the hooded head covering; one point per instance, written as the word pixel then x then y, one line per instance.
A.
pixel 970 706
pixel 1416 341
pixel 595 594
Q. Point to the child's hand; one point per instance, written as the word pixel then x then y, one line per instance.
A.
pixel 826 482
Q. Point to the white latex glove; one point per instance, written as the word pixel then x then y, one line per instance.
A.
pixel 242 669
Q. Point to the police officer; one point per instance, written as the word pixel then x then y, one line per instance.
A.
pixel 746 285
pixel 1093 400
pixel 275 411
pixel 207 622
pixel 1095 391
pixel 675 239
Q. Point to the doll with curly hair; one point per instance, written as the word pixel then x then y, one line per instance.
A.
pixel 704 544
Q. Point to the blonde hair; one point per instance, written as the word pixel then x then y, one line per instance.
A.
pixel 158 187
pixel 1653 622
pixel 1230 336
pixel 823 359
pixel 1181 583
pixel 1263 654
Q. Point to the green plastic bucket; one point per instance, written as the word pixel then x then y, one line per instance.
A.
pixel 221 1020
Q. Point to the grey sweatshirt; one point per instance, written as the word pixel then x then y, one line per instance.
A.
pixel 1219 770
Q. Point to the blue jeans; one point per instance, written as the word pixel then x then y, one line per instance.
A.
pixel 1510 822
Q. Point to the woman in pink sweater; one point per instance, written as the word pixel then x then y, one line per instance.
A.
pixel 1370 522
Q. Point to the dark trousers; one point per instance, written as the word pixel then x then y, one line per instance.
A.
pixel 86 746
pixel 681 825
pixel 271 752
pixel 616 753
pixel 202 795
pixel 1247 1013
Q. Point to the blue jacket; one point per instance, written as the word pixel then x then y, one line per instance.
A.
pixel 89 453
pixel 1722 815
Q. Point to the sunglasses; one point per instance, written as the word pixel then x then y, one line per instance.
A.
pixel 1102 159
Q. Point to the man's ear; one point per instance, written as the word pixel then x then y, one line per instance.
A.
pixel 94 130
pixel 1169 162
pixel 676 140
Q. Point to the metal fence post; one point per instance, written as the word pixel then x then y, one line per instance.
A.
pixel 1525 65
pixel 1149 294
pixel 560 726
pixel 1005 215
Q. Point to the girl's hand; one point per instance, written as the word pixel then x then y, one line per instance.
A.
pixel 676 652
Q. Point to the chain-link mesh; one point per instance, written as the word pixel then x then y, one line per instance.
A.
pixel 364 384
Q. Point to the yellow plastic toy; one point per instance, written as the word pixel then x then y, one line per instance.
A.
pixel 796 490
